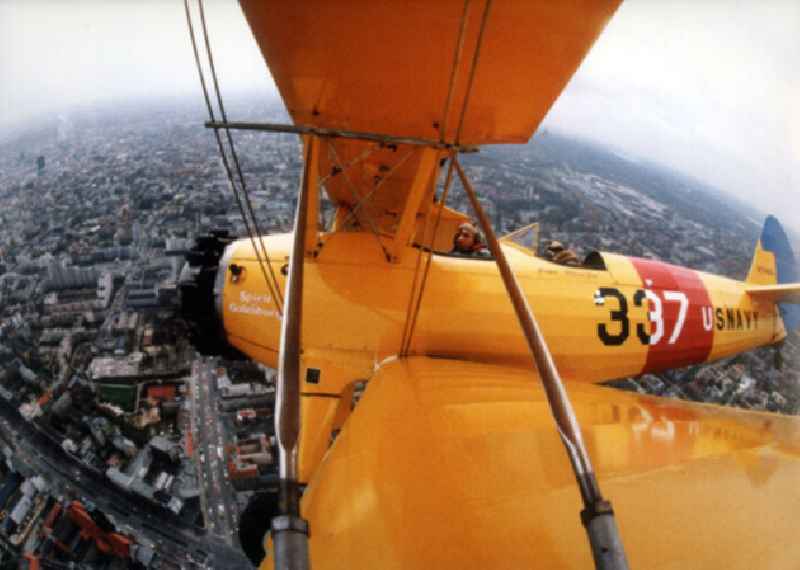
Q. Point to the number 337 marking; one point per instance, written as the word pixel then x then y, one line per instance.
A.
pixel 650 335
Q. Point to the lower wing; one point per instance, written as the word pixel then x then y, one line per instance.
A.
pixel 452 464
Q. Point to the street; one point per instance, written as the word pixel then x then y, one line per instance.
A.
pixel 173 540
pixel 218 499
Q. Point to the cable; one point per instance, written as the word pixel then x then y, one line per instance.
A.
pixel 338 163
pixel 454 71
pixel 223 154
pixel 475 58
pixel 442 201
pixel 248 204
pixel 363 200
pixel 414 285
pixel 361 157
pixel 245 206
pixel 474 66
pixel 336 170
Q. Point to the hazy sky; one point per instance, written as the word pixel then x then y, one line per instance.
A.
pixel 710 87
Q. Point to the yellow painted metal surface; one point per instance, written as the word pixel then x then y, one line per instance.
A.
pixel 372 184
pixel 454 462
pixel 394 67
pixel 325 405
pixel 763 269
pixel 317 415
pixel 385 66
pixel 727 296
pixel 448 464
pixel 421 187
pixel 355 310
pixel 250 314
pixel 788 293
pixel 357 307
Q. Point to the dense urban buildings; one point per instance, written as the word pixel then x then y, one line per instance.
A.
pixel 124 448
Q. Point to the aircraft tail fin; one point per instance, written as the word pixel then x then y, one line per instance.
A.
pixel 774 273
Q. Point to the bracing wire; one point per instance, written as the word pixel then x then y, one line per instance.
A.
pixel 473 68
pixel 414 285
pixel 373 227
pixel 365 199
pixel 408 333
pixel 234 155
pixel 360 158
pixel 454 71
pixel 245 206
pixel 336 170
pixel 222 152
pixel 411 323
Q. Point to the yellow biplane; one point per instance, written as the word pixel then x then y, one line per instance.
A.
pixel 452 458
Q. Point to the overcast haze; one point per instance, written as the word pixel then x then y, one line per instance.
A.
pixel 710 88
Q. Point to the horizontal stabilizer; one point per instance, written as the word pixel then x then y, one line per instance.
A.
pixel 788 293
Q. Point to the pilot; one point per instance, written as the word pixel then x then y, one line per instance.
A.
pixel 468 242
pixel 557 253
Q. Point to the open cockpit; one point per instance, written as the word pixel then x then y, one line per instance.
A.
pixel 527 241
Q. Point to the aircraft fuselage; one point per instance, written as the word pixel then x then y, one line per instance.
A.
pixel 632 317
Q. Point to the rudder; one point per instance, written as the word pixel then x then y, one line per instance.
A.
pixel 763 268
pixel 774 263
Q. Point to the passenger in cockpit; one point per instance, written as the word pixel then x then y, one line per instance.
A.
pixel 557 253
pixel 468 242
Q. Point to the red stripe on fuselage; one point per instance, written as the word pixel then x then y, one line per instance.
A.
pixel 695 338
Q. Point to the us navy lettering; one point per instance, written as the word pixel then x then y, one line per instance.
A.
pixel 733 319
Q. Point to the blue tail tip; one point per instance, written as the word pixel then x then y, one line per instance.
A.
pixel 774 239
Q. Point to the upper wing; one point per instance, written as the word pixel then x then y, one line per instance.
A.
pixel 385 66
pixel 452 464
pixel 402 68
pixel 788 293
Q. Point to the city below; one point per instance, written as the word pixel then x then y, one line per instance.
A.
pixel 125 448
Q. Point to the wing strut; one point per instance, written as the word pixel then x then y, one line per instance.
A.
pixel 597 515
pixel 289 529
